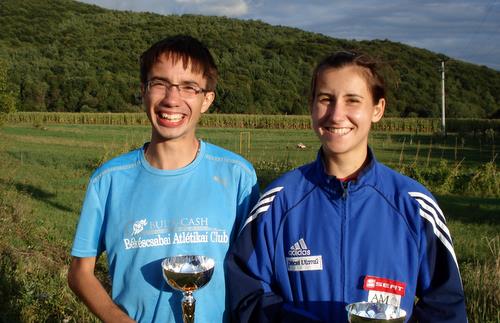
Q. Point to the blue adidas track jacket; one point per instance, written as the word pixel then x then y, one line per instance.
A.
pixel 312 245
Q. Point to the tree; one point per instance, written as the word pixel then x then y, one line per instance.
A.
pixel 7 98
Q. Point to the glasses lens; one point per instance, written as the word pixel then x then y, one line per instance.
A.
pixel 157 87
pixel 188 90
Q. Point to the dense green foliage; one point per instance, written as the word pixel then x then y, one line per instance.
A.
pixel 68 56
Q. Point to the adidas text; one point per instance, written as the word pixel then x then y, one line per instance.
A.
pixel 299 252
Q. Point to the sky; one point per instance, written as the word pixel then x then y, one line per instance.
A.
pixel 466 30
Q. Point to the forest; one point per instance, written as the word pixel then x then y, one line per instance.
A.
pixel 62 55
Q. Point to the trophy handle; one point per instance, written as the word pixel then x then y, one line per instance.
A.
pixel 188 306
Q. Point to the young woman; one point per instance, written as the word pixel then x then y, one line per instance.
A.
pixel 344 228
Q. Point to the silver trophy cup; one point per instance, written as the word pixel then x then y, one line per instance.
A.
pixel 187 274
pixel 374 312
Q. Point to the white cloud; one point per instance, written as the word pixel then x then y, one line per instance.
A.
pixel 231 8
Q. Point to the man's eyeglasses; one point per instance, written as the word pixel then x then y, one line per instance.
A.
pixel 160 87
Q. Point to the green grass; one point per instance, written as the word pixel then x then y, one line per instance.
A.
pixel 45 169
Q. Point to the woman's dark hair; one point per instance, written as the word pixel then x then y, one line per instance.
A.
pixel 369 67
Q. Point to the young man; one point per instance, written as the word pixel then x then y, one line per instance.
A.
pixel 175 195
pixel 344 228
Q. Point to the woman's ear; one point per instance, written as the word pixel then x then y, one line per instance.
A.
pixel 378 110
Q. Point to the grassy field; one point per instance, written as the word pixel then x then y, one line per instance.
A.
pixel 45 169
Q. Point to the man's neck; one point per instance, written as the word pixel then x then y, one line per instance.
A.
pixel 171 154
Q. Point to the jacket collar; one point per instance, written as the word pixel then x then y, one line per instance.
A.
pixel 367 176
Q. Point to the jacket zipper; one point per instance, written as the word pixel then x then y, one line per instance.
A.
pixel 345 187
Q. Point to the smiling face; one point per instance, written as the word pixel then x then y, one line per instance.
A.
pixel 173 117
pixel 342 110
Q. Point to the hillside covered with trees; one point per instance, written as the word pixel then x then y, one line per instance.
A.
pixel 62 55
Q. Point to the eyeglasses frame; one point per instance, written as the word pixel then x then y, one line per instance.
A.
pixel 169 86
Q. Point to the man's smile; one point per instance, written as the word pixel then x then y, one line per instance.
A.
pixel 171 117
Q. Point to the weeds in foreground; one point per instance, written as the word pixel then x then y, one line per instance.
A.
pixel 268 170
pixel 33 270
pixel 486 180
pixel 481 286
pixel 449 178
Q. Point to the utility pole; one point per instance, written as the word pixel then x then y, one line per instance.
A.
pixel 443 100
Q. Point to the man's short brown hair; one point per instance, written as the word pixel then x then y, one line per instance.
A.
pixel 185 48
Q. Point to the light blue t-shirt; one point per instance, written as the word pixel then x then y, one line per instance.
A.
pixel 139 215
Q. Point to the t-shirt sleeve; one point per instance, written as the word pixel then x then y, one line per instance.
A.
pixel 88 239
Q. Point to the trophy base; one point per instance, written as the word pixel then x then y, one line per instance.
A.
pixel 188 307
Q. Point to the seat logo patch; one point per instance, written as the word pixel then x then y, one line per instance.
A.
pixel 382 290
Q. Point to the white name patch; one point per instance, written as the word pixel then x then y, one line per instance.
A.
pixel 384 297
pixel 304 263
